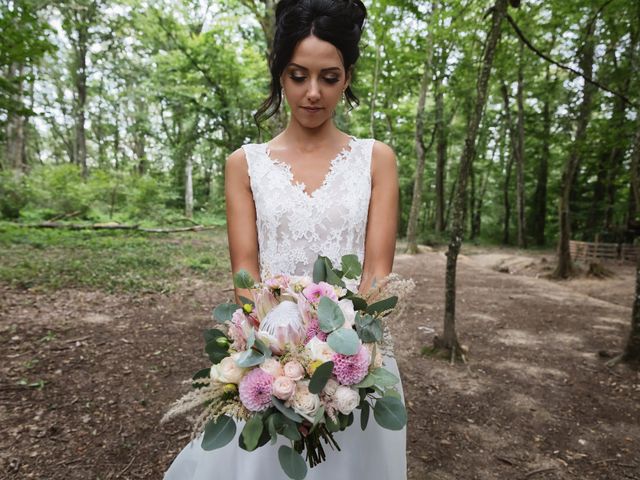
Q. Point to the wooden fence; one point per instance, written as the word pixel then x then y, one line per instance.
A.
pixel 590 251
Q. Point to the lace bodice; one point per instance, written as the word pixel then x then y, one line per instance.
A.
pixel 294 227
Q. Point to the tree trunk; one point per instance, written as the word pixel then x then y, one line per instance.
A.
pixel 450 339
pixel 564 268
pixel 416 201
pixel 441 156
pixel 188 187
pixel 632 348
pixel 542 174
pixel 15 123
pixel 80 80
pixel 520 189
pixel 510 159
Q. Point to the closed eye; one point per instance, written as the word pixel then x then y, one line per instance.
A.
pixel 302 79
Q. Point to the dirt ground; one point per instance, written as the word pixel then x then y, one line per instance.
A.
pixel 86 376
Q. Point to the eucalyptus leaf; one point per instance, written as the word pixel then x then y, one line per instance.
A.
pixel 344 341
pixel 384 378
pixel 390 413
pixel 319 270
pixel 359 303
pixel 382 305
pixel 351 267
pixel 215 352
pixel 292 463
pixel 364 415
pixel 243 279
pixel 212 334
pixel 250 358
pixel 330 316
pixel 223 312
pixel 320 377
pixel 370 332
pixel 286 411
pixel 217 434
pixel 251 432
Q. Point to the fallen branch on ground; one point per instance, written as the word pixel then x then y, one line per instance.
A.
pixel 114 226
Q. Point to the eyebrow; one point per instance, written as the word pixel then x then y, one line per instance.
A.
pixel 305 68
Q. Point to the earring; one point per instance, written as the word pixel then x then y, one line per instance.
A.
pixel 282 92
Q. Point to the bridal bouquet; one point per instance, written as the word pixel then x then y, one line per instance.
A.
pixel 297 360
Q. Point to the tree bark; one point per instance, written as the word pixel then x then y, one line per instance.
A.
pixel 441 156
pixel 506 201
pixel 564 268
pixel 15 123
pixel 540 196
pixel 450 339
pixel 520 188
pixel 416 201
pixel 80 79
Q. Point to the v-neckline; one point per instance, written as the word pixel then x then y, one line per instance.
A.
pixel 300 185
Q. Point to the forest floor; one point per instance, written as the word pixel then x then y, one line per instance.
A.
pixel 86 373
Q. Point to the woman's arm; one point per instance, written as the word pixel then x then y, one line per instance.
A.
pixel 242 232
pixel 382 223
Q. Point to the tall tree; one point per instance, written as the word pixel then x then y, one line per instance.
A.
pixel 449 340
pixel 564 267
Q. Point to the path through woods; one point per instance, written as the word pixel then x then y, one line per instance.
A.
pixel 535 402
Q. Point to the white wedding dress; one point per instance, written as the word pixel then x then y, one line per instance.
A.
pixel 293 228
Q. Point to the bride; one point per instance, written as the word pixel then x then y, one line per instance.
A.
pixel 311 190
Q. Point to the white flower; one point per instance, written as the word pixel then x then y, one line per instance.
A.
pixel 272 367
pixel 304 402
pixel 283 388
pixel 227 371
pixel 283 325
pixel 348 311
pixel 294 370
pixel 330 387
pixel 319 350
pixel 351 283
pixel 346 399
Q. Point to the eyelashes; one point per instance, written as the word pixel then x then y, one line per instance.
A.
pixel 302 79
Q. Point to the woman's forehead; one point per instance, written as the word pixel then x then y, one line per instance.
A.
pixel 313 53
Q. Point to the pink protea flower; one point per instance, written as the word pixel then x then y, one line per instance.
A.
pixel 314 291
pixel 350 369
pixel 313 330
pixel 239 329
pixel 255 390
pixel 280 281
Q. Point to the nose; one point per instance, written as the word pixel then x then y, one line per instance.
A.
pixel 313 94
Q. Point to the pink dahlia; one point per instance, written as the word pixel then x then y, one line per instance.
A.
pixel 255 390
pixel 313 330
pixel 350 369
pixel 314 291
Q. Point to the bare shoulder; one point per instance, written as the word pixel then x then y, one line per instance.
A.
pixel 383 158
pixel 237 160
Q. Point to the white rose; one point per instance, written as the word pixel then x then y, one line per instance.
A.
pixel 320 350
pixel 294 370
pixel 227 371
pixel 331 387
pixel 346 399
pixel 283 388
pixel 349 312
pixel 272 367
pixel 304 402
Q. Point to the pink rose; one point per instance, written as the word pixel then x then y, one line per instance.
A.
pixel 294 370
pixel 314 291
pixel 272 367
pixel 284 388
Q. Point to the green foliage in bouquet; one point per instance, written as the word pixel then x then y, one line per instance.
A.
pixel 306 431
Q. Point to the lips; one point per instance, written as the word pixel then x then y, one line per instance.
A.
pixel 312 109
